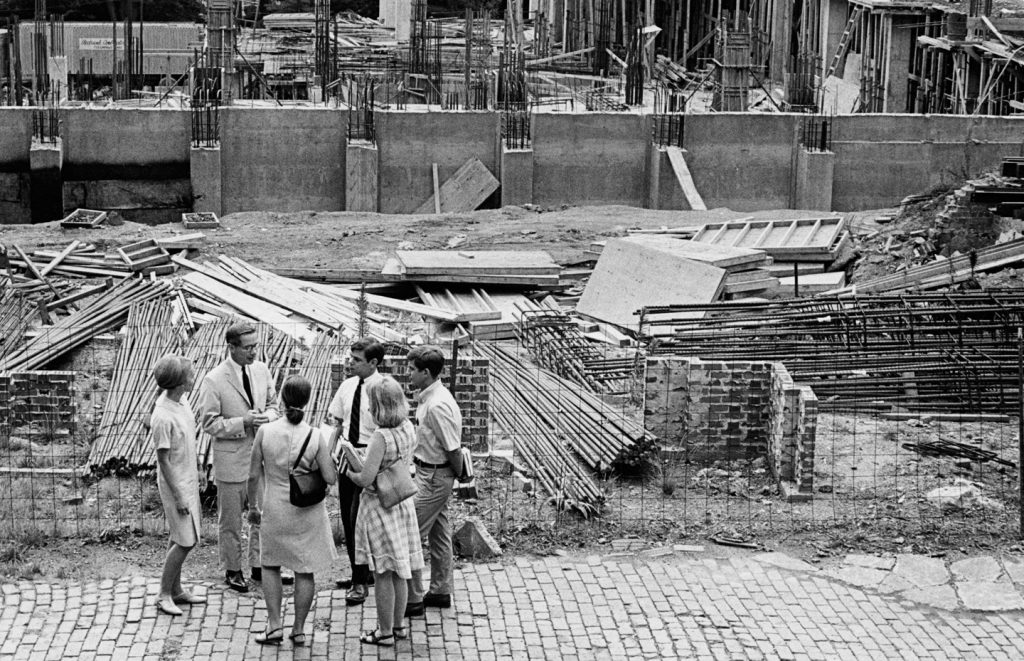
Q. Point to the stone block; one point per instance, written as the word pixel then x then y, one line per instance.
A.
pixel 473 541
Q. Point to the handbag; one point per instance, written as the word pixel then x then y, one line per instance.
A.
pixel 394 481
pixel 309 488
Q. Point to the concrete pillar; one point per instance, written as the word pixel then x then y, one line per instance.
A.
pixel 46 182
pixel 204 167
pixel 362 184
pixel 397 14
pixel 655 156
pixel 57 70
pixel 781 33
pixel 516 176
pixel 814 174
pixel 901 48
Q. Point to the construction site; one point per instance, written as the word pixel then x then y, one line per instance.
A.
pixel 735 272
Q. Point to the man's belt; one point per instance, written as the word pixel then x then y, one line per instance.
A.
pixel 423 464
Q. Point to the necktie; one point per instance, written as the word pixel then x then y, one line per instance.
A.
pixel 247 386
pixel 353 417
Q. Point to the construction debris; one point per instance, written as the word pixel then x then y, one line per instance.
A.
pixel 83 218
pixel 200 220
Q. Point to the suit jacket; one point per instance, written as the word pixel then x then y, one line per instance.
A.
pixel 222 403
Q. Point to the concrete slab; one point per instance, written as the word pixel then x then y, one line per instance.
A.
pixel 722 256
pixel 936 596
pixel 921 571
pixel 629 276
pixel 1014 570
pixel 990 596
pixel 870 561
pixel 893 583
pixel 862 577
pixel 784 561
pixel 982 569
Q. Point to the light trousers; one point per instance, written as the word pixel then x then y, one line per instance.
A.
pixel 435 488
pixel 232 500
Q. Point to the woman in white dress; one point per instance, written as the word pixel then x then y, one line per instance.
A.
pixel 387 540
pixel 174 436
pixel 295 537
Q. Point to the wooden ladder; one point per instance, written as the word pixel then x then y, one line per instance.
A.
pixel 844 40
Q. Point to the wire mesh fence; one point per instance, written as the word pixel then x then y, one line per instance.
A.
pixel 568 434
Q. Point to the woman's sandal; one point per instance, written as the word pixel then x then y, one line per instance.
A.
pixel 374 638
pixel 268 637
pixel 187 597
pixel 298 639
pixel 401 633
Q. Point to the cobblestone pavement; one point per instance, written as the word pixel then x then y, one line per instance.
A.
pixel 658 604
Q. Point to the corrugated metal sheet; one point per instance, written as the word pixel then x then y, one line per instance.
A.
pixel 168 46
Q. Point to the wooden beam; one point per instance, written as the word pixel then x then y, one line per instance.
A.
pixel 693 198
pixel 59 258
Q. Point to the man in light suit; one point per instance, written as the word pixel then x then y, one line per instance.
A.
pixel 236 398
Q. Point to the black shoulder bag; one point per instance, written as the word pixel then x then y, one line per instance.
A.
pixel 306 489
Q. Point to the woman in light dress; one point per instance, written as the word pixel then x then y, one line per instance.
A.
pixel 388 540
pixel 174 436
pixel 295 537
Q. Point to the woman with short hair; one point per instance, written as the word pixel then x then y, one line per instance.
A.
pixel 388 540
pixel 173 425
pixel 295 537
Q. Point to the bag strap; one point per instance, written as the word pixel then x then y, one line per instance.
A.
pixel 303 450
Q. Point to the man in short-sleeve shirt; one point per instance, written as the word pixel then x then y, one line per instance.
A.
pixel 365 355
pixel 438 460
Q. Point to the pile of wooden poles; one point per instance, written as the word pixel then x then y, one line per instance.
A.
pixel 154 328
pixel 560 431
pixel 106 312
pixel 15 318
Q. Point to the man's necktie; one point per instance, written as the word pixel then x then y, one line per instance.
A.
pixel 353 418
pixel 247 386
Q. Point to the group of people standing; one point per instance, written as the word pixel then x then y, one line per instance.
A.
pixel 255 449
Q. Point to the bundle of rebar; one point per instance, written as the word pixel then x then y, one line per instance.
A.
pixel 106 312
pixel 556 342
pixel 925 350
pixel 121 446
pixel 559 430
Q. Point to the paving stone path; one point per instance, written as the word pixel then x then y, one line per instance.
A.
pixel 665 603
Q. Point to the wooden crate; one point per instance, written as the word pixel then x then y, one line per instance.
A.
pixel 200 220
pixel 146 255
pixel 86 218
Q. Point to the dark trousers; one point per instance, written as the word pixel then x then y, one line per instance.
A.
pixel 348 496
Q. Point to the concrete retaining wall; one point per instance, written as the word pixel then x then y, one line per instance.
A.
pixel 15 140
pixel 742 161
pixel 283 159
pixel 410 142
pixel 287 159
pixel 590 159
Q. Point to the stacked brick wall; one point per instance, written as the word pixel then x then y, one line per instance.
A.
pixel 716 410
pixel 472 392
pixel 45 401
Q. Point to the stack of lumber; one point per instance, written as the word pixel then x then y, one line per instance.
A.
pixel 922 351
pixel 155 328
pixel 106 312
pixel 486 315
pixel 316 366
pixel 556 342
pixel 78 260
pixel 944 272
pixel 291 306
pixel 559 430
pixel 484 267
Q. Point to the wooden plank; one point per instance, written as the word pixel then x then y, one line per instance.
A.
pixel 482 262
pixel 193 241
pixel 59 258
pixel 463 191
pixel 33 270
pixel 437 189
pixel 685 179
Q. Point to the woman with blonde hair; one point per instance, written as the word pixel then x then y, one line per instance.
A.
pixel 174 436
pixel 295 537
pixel 387 539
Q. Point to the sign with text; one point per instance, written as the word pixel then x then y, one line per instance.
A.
pixel 96 43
